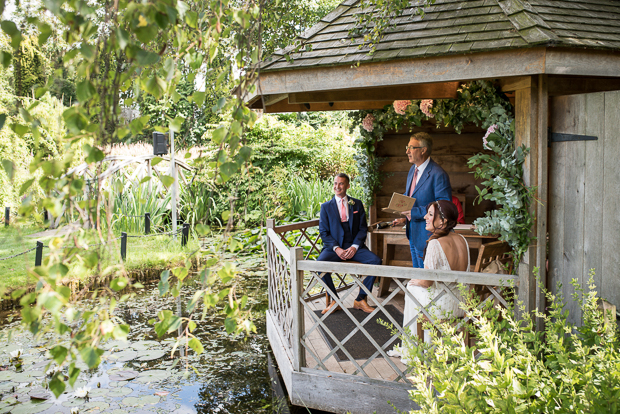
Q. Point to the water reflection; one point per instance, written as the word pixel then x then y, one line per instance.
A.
pixel 233 374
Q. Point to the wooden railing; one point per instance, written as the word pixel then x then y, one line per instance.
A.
pixel 295 282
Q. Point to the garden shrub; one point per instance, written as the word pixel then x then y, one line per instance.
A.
pixel 512 368
pixel 283 148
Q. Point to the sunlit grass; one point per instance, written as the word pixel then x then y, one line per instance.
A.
pixel 142 253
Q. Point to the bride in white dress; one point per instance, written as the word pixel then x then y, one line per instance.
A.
pixel 445 250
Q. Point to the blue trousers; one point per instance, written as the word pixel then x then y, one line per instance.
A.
pixel 417 256
pixel 362 255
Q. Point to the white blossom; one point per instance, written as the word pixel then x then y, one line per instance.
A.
pixel 82 392
pixel 17 353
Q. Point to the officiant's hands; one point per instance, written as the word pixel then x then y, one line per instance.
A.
pixel 406 214
pixel 398 222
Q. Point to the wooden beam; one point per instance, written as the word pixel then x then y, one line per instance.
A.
pixel 452 68
pixel 284 106
pixel 272 99
pixel 515 83
pixel 573 85
pixel 582 62
pixel 531 131
pixel 445 90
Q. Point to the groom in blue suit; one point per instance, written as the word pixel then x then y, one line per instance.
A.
pixel 343 229
pixel 426 182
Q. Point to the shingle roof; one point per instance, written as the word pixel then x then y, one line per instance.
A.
pixel 457 26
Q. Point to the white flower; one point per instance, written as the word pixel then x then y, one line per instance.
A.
pixel 75 410
pixel 17 353
pixel 82 392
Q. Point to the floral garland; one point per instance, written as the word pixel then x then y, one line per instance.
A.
pixel 501 169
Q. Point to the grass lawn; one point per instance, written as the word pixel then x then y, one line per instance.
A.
pixel 142 253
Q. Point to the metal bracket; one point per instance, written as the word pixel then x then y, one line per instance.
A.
pixel 559 137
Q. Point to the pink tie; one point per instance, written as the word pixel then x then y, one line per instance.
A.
pixel 413 182
pixel 343 211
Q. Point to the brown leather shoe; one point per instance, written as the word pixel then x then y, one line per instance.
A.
pixel 363 306
pixel 331 305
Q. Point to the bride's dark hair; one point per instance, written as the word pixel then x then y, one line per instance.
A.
pixel 447 211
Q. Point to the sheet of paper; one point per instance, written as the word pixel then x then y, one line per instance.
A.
pixel 398 203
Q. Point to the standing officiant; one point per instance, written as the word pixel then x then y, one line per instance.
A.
pixel 343 229
pixel 427 182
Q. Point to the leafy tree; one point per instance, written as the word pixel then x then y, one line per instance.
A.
pixel 30 66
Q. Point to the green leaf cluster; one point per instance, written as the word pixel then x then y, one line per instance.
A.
pixel 512 368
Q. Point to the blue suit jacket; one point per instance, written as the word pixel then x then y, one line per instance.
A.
pixel 331 230
pixel 433 185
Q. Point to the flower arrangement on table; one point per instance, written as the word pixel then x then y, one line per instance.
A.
pixel 500 168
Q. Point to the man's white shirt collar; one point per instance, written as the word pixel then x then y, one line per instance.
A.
pixel 422 167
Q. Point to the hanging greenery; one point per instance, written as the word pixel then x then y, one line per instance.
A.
pixel 500 169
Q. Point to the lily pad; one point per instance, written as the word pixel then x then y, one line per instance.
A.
pixel 98 392
pixel 27 376
pixel 74 402
pixel 123 375
pixel 115 344
pixel 151 355
pixel 120 392
pixel 39 394
pixel 30 407
pixel 96 406
pixel 140 401
pixel 144 345
pixel 154 375
pixel 124 356
pixel 7 375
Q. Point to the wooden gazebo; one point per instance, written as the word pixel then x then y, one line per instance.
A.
pixel 560 63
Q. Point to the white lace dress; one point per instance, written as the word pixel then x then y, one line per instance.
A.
pixel 435 259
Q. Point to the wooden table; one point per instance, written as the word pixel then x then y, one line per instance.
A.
pixel 395 236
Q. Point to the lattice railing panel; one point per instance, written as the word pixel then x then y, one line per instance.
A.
pixel 280 293
pixel 428 311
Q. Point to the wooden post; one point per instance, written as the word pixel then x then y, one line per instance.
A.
pixel 38 257
pixel 7 216
pixel 185 235
pixel 149 169
pixel 297 288
pixel 531 111
pixel 147 223
pixel 123 246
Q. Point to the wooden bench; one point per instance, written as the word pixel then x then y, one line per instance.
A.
pixel 488 252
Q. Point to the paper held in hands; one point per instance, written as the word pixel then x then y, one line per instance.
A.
pixel 399 203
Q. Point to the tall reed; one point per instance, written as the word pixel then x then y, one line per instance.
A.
pixel 306 196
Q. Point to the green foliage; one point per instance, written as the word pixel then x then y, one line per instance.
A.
pixel 29 65
pixel 283 148
pixel 306 196
pixel 512 368
pixel 480 103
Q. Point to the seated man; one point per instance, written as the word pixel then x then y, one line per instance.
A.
pixel 343 229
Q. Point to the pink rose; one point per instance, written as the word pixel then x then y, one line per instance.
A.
pixel 367 123
pixel 401 106
pixel 425 107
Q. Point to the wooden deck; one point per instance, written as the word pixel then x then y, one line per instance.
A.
pixel 313 376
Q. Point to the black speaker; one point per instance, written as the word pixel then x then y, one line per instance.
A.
pixel 160 143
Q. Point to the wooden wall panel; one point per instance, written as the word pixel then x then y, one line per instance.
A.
pixel 611 190
pixel 594 171
pixel 584 188
pixel 450 150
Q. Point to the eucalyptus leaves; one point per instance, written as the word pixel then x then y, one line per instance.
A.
pixel 501 170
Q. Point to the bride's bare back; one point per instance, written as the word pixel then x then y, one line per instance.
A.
pixel 455 249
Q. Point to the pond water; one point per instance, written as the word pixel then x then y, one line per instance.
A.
pixel 138 376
